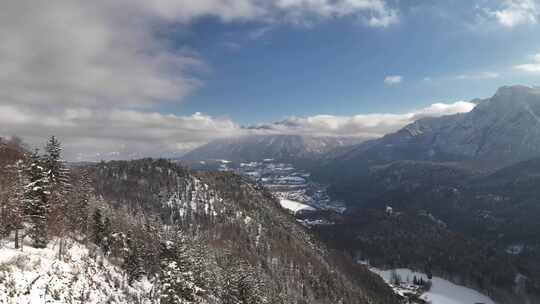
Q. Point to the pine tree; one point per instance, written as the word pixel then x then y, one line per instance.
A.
pixel 133 262
pixel 152 244
pixel 107 236
pixel 98 227
pixel 169 273
pixel 59 182
pixel 176 274
pixel 250 285
pixel 242 284
pixel 59 189
pixel 203 267
pixel 57 172
pixel 79 209
pixel 36 198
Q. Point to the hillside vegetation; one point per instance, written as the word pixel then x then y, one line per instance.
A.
pixel 150 231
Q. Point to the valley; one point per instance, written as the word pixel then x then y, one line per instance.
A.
pixel 270 152
pixel 440 291
pixel 294 188
pixel 455 196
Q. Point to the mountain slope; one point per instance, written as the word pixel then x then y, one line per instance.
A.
pixel 81 276
pixel 230 216
pixel 487 218
pixel 471 179
pixel 287 148
pixel 501 130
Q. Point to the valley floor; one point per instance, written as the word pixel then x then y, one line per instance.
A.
pixel 441 292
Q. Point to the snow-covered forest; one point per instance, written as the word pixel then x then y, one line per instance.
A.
pixel 150 231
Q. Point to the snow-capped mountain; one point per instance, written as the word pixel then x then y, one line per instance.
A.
pixel 288 148
pixel 469 178
pixel 500 130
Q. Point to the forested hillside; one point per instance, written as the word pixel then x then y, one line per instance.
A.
pixel 151 231
pixel 464 189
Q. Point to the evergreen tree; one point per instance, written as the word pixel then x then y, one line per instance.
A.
pixel 79 210
pixel 58 182
pixel 242 284
pixel 176 274
pixel 152 244
pixel 36 199
pixel 203 267
pixel 57 172
pixel 99 228
pixel 107 235
pixel 133 262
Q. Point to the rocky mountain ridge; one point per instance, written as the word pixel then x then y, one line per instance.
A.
pixel 286 148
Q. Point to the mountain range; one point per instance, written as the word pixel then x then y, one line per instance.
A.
pixel 499 131
pixel 470 178
pixel 286 148
pixel 464 188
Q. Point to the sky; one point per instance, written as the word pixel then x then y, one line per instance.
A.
pixel 134 78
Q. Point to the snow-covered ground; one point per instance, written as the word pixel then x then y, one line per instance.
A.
pixel 80 276
pixel 441 292
pixel 294 206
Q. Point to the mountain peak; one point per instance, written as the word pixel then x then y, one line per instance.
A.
pixel 500 130
pixel 510 100
pixel 514 90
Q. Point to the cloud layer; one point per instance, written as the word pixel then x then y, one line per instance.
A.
pixel 93 72
pixel 116 134
pixel 531 67
pixel 93 134
pixel 517 12
pixel 364 125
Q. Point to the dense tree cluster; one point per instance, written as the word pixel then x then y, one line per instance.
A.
pixel 245 242
pixel 464 221
pixel 36 191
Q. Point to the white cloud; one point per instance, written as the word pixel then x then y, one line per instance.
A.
pixel 92 134
pixel 532 67
pixel 384 20
pixel 393 79
pixel 108 53
pixel 478 76
pixel 364 125
pixel 517 12
pixel 86 53
pixel 92 71
pixel 375 13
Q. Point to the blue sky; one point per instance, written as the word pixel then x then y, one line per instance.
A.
pixel 134 78
pixel 442 51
